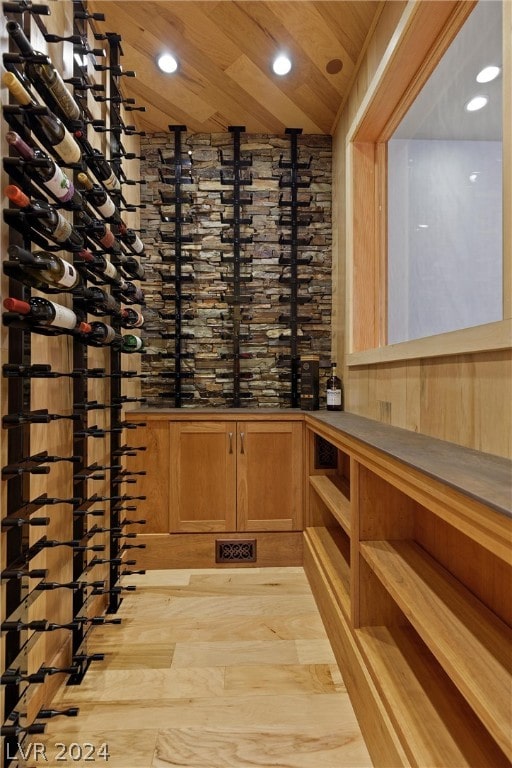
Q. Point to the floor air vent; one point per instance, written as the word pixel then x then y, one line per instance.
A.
pixel 235 551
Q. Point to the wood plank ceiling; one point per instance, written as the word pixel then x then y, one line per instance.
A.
pixel 225 50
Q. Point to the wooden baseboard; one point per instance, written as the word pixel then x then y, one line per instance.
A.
pixel 197 550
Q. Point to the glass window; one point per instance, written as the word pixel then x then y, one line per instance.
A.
pixel 445 252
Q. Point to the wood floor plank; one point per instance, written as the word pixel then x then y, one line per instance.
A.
pixel 211 669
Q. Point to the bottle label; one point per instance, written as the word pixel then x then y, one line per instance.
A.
pixel 70 277
pixel 64 317
pixel 107 209
pixel 68 149
pixel 334 397
pixel 63 97
pixel 137 245
pixel 60 185
pixel 63 229
pixel 112 182
pixel 110 270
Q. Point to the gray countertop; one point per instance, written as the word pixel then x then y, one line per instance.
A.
pixel 482 476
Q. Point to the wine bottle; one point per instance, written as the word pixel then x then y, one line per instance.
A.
pixel 47 127
pixel 130 293
pixel 334 391
pixel 101 169
pixel 103 335
pixel 98 232
pixel 42 169
pixel 43 218
pixel 131 268
pixel 48 313
pixel 99 302
pixel 98 197
pixel 101 266
pixel 130 237
pixel 42 267
pixel 132 343
pixel 45 78
pixel 130 318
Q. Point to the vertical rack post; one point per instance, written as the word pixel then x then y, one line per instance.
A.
pixel 236 201
pixel 294 222
pixel 178 238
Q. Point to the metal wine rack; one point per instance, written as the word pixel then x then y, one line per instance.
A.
pixel 19 575
pixel 293 221
pixel 175 173
pixel 235 298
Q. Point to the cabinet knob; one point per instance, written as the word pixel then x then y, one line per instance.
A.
pixel 242 447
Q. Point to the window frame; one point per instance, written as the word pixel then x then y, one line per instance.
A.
pixel 423 34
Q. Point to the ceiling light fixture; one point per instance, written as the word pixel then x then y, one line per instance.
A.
pixel 488 73
pixel 167 63
pixel 476 103
pixel 281 65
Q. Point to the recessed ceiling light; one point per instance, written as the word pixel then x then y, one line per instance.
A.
pixel 487 74
pixel 167 63
pixel 282 65
pixel 477 102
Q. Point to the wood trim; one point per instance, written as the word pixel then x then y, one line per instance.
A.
pixel 217 414
pixel 481 338
pixel 197 550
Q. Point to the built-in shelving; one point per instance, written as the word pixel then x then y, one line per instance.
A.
pixel 421 633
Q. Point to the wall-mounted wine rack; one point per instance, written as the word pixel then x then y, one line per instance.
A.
pixel 237 299
pixel 175 175
pixel 293 220
pixel 100 268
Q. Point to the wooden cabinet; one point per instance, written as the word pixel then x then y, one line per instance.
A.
pixel 409 561
pixel 235 476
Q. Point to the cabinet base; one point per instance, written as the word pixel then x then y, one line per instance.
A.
pixel 198 550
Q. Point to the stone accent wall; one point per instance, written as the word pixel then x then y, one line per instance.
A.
pixel 207 314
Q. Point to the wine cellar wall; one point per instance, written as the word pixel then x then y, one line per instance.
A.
pixel 276 184
pixel 71 289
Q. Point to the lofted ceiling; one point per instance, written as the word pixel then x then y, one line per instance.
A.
pixel 225 50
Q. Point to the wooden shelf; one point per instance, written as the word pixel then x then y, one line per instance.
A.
pixel 422 702
pixel 467 639
pixel 333 498
pixel 334 562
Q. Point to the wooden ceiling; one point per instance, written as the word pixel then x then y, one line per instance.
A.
pixel 225 50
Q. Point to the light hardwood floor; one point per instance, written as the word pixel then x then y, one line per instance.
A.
pixel 213 669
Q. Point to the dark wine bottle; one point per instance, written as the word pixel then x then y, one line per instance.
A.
pixel 130 318
pixel 98 197
pixel 45 78
pixel 96 230
pixel 334 391
pixel 99 302
pixel 48 313
pixel 43 218
pixel 47 127
pixel 130 293
pixel 102 170
pixel 132 269
pixel 101 266
pixel 44 170
pixel 42 267
pixel 103 334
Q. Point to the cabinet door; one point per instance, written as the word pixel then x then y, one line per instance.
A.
pixel 202 490
pixel 269 476
pixel 154 461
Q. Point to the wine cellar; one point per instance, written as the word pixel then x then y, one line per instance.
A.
pixel 255 369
